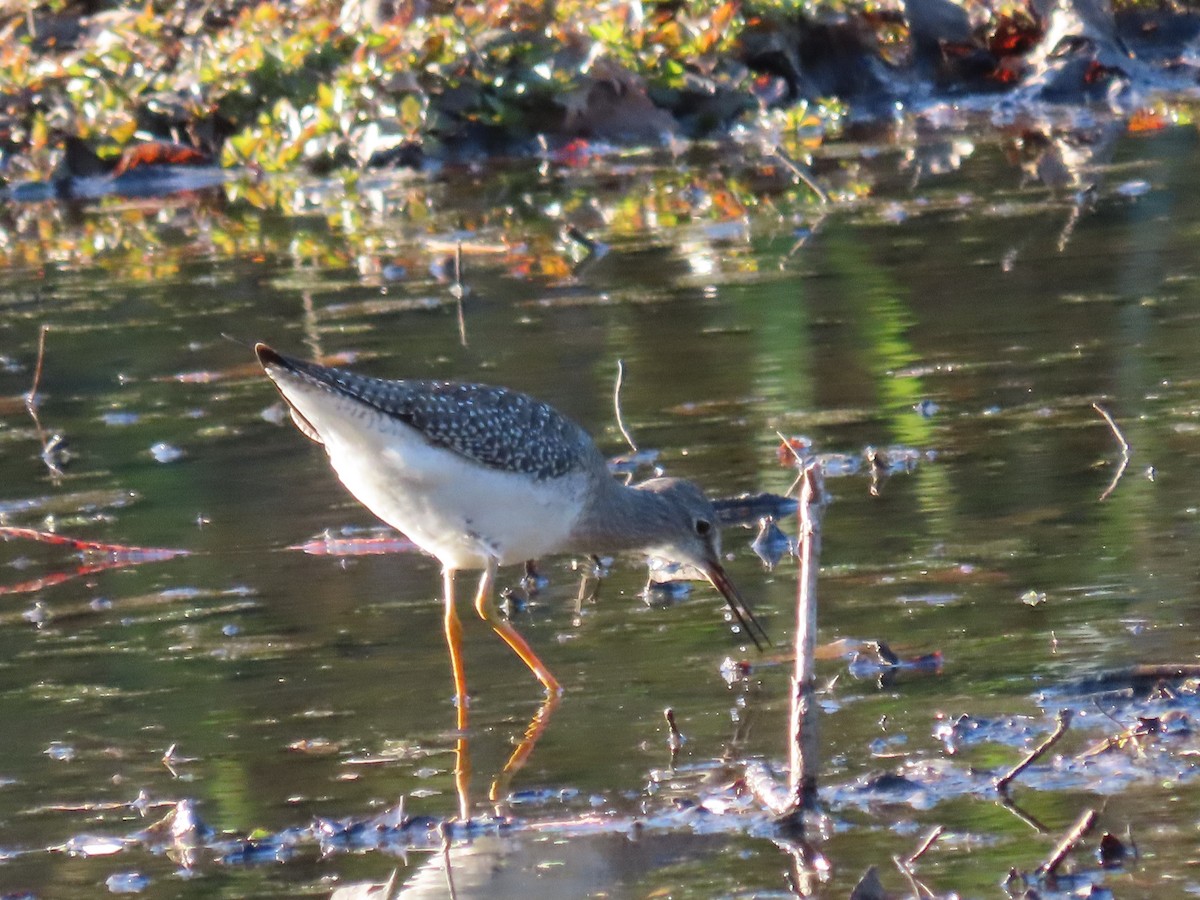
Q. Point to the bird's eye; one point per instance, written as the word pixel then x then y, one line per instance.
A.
pixel 703 527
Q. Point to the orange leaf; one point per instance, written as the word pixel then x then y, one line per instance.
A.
pixel 1147 120
pixel 723 15
pixel 159 153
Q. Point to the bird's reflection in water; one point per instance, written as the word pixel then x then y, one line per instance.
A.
pixel 516 760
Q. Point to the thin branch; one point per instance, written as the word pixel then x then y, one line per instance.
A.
pixel 876 468
pixel 804 747
pixel 800 172
pixel 574 233
pixel 617 406
pixel 52 445
pixel 1006 803
pixel 924 846
pixel 767 790
pixel 675 741
pixel 1126 450
pixel 1064 721
pixel 31 401
pixel 1081 203
pixel 458 291
pixel 804 238
pixel 311 326
pixel 800 463
pixel 446 857
pixel 918 889
pixel 788 804
pixel 1078 832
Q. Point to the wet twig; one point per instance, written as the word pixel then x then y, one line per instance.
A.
pixel 1006 803
pixel 877 471
pixel 52 445
pixel 801 173
pixel 617 406
pixel 1064 721
pixel 801 462
pixel 804 237
pixel 31 402
pixel 1078 832
pixel 458 291
pixel 919 890
pixel 445 832
pixel 578 236
pixel 1126 450
pixel 593 249
pixel 810 869
pixel 907 864
pixel 767 790
pixel 675 740
pixel 1145 727
pixel 788 803
pixel 804 748
pixel 923 847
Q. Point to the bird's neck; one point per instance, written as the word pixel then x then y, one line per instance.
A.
pixel 619 518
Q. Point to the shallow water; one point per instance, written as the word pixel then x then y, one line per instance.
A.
pixel 972 316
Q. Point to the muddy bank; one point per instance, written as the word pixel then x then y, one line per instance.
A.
pixel 323 86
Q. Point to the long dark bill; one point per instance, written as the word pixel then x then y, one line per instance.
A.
pixel 269 359
pixel 737 605
pixel 269 356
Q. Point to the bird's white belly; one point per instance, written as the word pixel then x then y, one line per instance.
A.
pixel 458 510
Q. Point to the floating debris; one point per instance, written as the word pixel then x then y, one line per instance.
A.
pixel 179 826
pixel 166 453
pixel 120 418
pixel 751 509
pixel 352 541
pixel 771 544
pixel 89 845
pixel 60 751
pixel 1033 598
pixel 1131 189
pixel 126 883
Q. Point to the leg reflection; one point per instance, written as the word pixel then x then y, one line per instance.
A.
pixel 521 754
pixel 462 776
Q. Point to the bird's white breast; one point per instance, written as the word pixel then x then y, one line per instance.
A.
pixel 457 509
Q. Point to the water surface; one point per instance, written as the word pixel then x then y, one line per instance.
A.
pixel 973 316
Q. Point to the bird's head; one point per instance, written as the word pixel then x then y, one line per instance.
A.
pixel 692 535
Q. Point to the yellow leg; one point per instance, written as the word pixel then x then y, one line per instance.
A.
pixel 485 605
pixel 454 642
pixel 462 759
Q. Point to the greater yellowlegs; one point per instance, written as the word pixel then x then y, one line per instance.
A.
pixel 482 476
